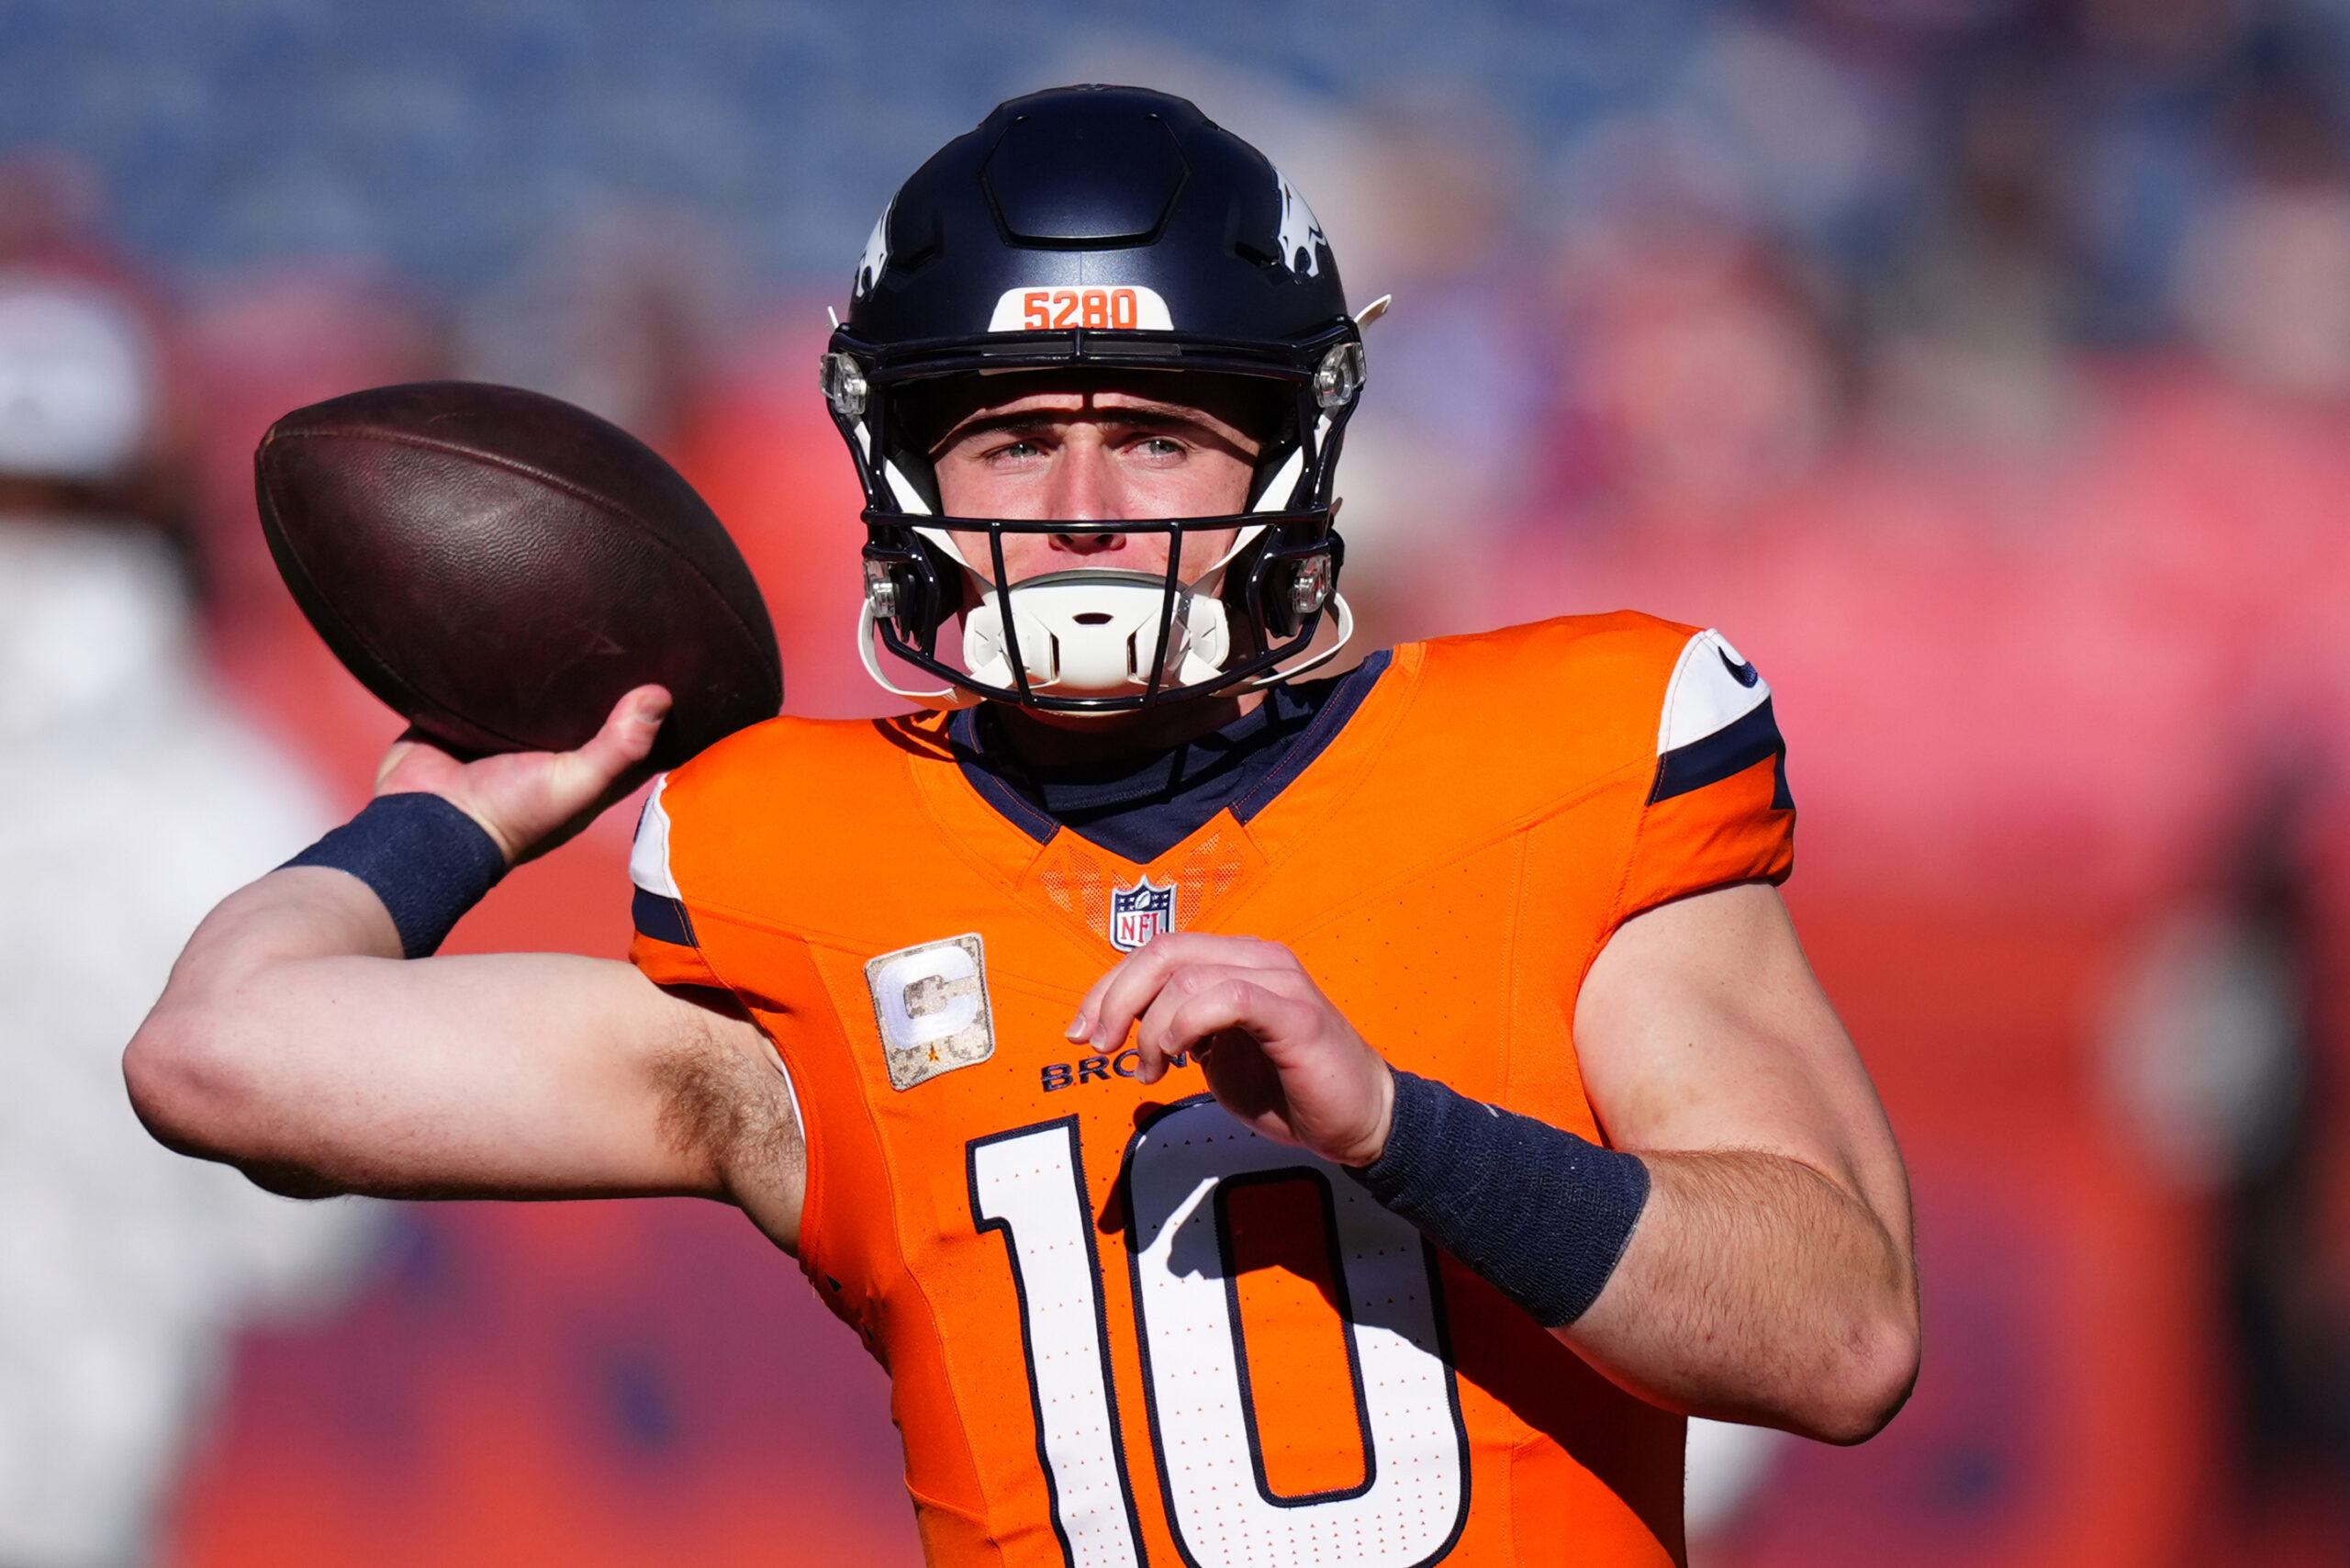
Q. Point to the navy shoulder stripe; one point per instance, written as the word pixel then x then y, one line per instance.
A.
pixel 664 920
pixel 1752 737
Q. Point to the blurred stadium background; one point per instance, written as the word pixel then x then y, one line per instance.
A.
pixel 1982 367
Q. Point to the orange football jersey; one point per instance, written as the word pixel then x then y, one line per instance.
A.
pixel 1121 1329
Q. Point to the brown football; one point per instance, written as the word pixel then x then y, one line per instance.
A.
pixel 501 567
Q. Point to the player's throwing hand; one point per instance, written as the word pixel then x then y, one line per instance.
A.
pixel 1277 1055
pixel 529 801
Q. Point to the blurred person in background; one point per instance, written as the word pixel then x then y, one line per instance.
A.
pixel 131 798
pixel 260 345
pixel 1968 354
pixel 625 313
pixel 1434 173
pixel 1702 380
pixel 2262 281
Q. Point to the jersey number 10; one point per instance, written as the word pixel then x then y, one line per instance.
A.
pixel 1414 1498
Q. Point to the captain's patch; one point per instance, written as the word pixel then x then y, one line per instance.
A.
pixel 931 1005
pixel 1140 912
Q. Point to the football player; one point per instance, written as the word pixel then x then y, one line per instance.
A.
pixel 1256 1120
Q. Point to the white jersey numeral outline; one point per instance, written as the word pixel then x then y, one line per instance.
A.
pixel 1412 1502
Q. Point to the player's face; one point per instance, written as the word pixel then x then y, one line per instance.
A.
pixel 1096 451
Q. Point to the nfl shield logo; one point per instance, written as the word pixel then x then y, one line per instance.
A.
pixel 1140 912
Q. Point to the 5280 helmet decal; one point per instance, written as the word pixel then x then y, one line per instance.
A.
pixel 1117 228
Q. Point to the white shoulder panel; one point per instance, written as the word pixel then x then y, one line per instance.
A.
pixel 648 863
pixel 1713 687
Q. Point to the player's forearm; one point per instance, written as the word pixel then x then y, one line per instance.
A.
pixel 1757 1290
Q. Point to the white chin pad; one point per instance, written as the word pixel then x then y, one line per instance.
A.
pixel 1094 633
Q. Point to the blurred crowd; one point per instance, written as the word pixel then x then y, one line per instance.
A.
pixel 1981 369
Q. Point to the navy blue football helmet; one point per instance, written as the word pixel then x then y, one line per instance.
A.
pixel 1120 228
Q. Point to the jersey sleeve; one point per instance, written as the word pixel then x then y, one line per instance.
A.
pixel 1717 808
pixel 664 945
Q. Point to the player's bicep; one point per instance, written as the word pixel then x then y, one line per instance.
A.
pixel 530 1075
pixel 1700 1026
pixel 547 1075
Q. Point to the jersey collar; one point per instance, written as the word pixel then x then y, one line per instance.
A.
pixel 1292 758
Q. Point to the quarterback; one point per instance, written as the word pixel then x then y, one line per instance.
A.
pixel 1256 1119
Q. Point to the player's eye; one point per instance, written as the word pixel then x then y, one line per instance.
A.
pixel 1022 451
pixel 1159 448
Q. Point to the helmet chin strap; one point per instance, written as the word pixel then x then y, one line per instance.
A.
pixel 944 701
pixel 1345 617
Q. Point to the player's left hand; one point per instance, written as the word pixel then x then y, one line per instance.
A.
pixel 1277 1055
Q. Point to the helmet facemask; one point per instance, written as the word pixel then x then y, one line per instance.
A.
pixel 1104 639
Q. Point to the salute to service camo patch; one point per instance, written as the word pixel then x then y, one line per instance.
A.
pixel 931 1005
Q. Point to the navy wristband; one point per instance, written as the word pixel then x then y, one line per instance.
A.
pixel 425 858
pixel 1541 1213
